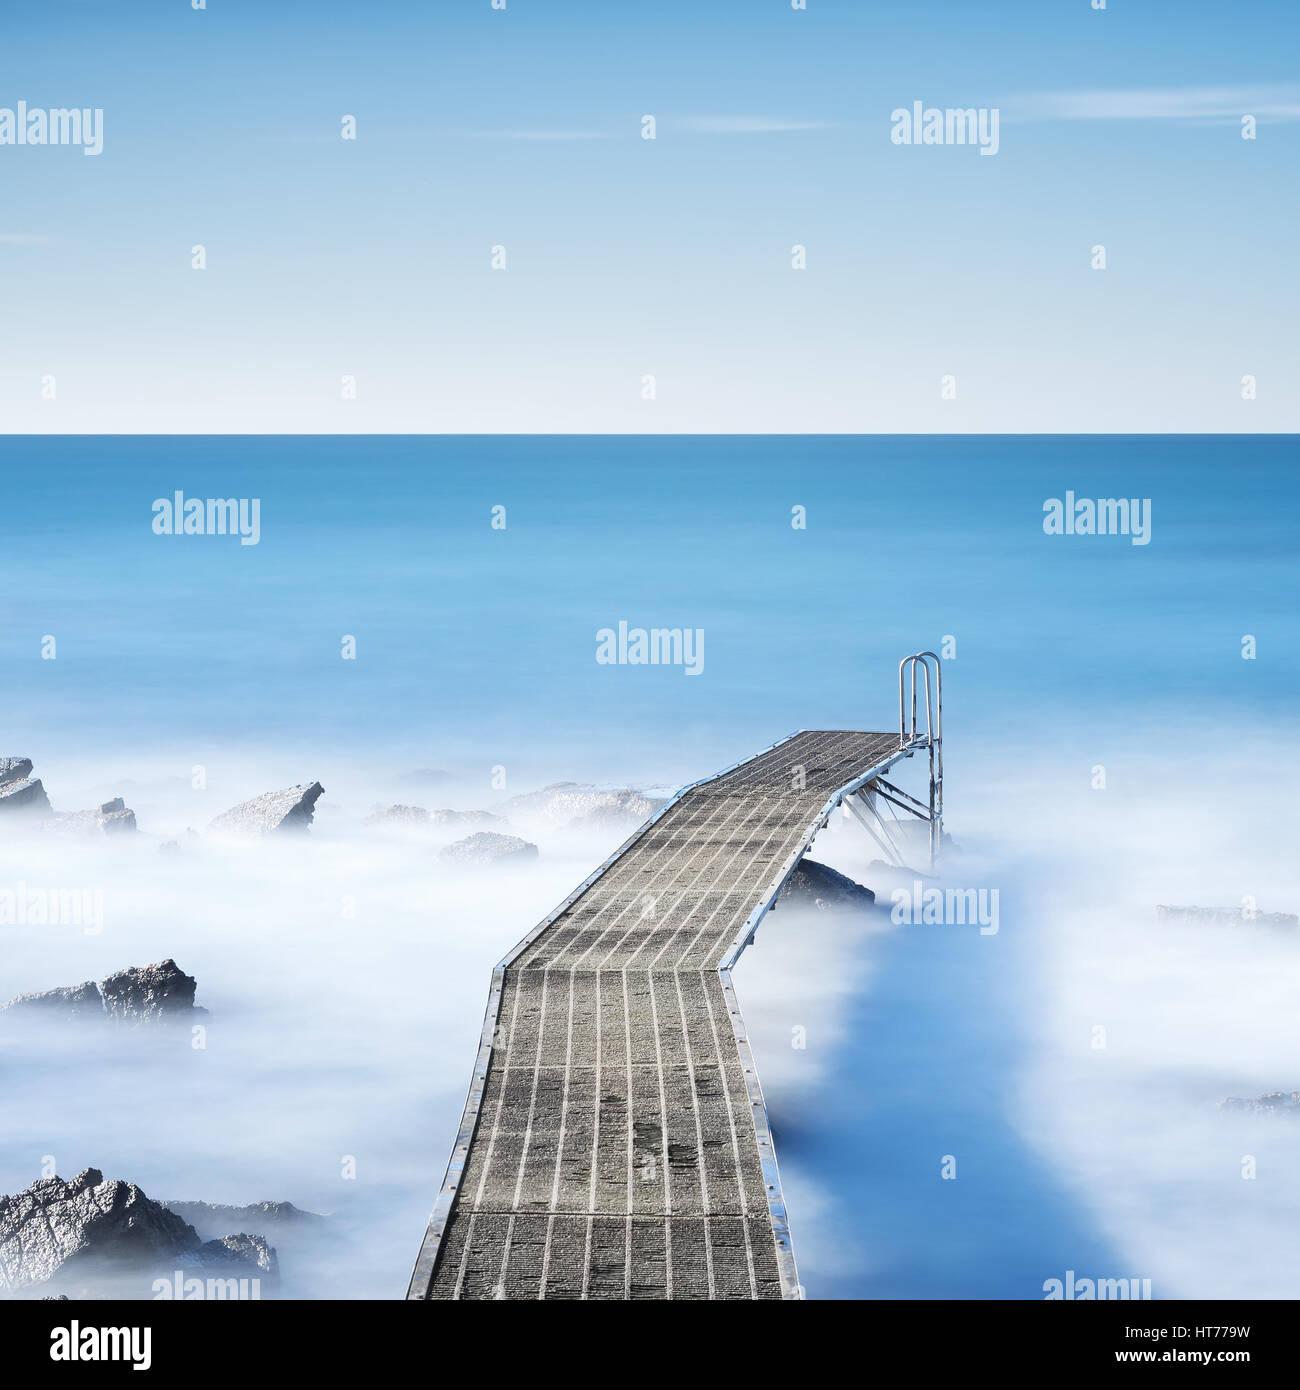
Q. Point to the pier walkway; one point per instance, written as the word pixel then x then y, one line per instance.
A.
pixel 615 1144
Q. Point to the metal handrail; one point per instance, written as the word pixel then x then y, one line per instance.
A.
pixel 908 732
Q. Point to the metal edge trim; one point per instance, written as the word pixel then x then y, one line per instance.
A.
pixel 777 1211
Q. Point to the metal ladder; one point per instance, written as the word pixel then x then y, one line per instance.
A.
pixel 910 735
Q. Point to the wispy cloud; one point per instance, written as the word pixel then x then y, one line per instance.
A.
pixel 1156 104
pixel 527 134
pixel 747 125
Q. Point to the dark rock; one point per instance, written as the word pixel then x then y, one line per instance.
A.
pixel 159 993
pixel 23 794
pixel 241 1249
pixel 149 993
pixel 14 770
pixel 290 809
pixel 821 886
pixel 19 790
pixel 277 1218
pixel 76 1002
pixel 486 847
pixel 91 1235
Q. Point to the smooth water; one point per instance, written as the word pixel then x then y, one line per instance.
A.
pixel 1107 748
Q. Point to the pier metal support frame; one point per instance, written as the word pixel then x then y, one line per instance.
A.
pixel 877 803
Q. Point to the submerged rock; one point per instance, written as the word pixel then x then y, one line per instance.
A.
pixel 19 790
pixel 99 1237
pixel 242 1249
pixel 486 847
pixel 112 818
pixel 820 886
pixel 278 1218
pixel 290 809
pixel 74 1003
pixel 563 802
pixel 160 993
pixel 1226 916
pixel 1271 1103
pixel 417 818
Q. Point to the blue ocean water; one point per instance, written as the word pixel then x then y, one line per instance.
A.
pixel 490 634
pixel 476 647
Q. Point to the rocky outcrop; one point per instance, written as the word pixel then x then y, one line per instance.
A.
pixel 140 994
pixel 1271 1103
pixel 271 1218
pixel 290 809
pixel 116 815
pixel 75 1003
pixel 242 1249
pixel 159 993
pixel 486 847
pixel 101 1237
pixel 19 790
pixel 14 769
pixel 1225 916
pixel 111 818
pixel 817 885
pixel 563 802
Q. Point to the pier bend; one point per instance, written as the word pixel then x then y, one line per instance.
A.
pixel 615 1143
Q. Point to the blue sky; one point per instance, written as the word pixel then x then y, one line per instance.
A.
pixel 672 258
